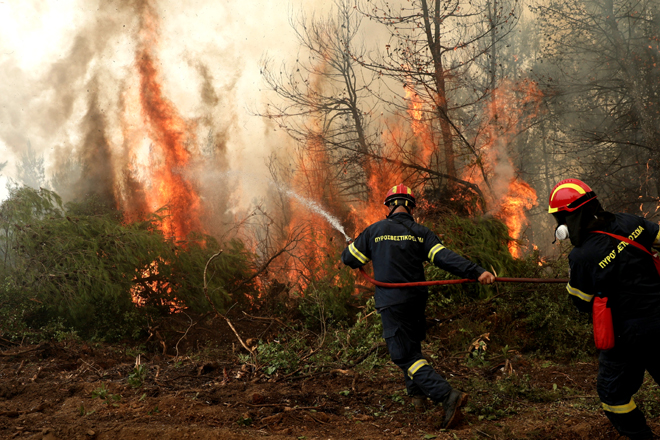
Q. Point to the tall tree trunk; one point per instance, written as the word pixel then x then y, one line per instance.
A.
pixel 433 39
pixel 492 12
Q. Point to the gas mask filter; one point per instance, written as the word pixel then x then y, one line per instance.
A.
pixel 561 233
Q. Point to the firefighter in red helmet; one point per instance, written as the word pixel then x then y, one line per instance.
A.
pixel 613 274
pixel 398 247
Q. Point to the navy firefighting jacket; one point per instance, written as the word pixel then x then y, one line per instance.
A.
pixel 398 247
pixel 608 267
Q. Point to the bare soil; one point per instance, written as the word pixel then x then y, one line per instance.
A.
pixel 74 390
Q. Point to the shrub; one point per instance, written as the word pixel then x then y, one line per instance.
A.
pixel 536 318
pixel 483 241
pixel 330 299
pixel 83 266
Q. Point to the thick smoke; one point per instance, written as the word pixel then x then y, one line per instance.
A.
pixel 102 114
pixel 95 156
pixel 90 112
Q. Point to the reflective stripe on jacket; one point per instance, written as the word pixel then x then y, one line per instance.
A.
pixel 399 247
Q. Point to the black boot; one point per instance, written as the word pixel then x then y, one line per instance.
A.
pixel 452 404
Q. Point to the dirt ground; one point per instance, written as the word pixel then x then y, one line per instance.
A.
pixel 75 390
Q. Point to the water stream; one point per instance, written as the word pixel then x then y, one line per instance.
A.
pixel 307 203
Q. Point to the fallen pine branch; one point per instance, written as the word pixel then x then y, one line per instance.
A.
pixel 260 318
pixel 374 347
pixel 280 405
pixel 8 341
pixel 16 353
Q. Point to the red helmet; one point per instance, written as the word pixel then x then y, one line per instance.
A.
pixel 568 195
pixel 400 195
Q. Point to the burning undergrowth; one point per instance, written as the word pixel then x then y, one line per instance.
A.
pixel 83 268
pixel 144 158
pixel 409 152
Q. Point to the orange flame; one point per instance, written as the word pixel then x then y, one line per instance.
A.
pixel 520 197
pixel 511 106
pixel 149 282
pixel 312 178
pixel 163 181
pixel 419 127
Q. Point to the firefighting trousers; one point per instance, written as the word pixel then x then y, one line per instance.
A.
pixel 404 329
pixel 621 374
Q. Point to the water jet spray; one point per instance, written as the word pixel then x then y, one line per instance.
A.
pixel 307 203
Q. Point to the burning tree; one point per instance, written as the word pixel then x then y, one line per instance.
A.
pixel 434 51
pixel 448 119
pixel 323 103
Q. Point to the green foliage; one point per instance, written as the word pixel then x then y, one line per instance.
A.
pixel 244 420
pixel 330 299
pixel 338 347
pixel 536 318
pixel 100 392
pixel 359 340
pixel 83 266
pixel 648 398
pixel 104 394
pixel 336 326
pixel 281 354
pixel 513 394
pixel 30 168
pixel 398 398
pixel 23 206
pixel 78 270
pixel 483 241
pixel 137 377
pixel 552 324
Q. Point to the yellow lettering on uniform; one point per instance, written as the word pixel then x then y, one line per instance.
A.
pixel 636 233
pixel 620 247
pixel 398 238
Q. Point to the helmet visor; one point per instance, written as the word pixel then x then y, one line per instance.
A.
pixel 581 201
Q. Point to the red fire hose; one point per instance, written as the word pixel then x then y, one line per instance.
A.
pixel 438 282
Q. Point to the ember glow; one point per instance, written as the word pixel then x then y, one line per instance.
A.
pixel 147 283
pixel 519 198
pixel 152 153
pixel 313 178
pixel 138 102
pixel 381 175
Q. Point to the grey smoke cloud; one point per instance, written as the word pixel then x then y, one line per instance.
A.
pixel 72 99
pixel 78 101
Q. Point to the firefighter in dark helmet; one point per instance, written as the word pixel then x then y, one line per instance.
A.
pixel 611 265
pixel 398 247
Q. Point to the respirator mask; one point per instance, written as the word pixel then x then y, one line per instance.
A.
pixel 561 233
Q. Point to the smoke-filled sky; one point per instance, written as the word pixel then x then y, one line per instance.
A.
pixel 69 65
